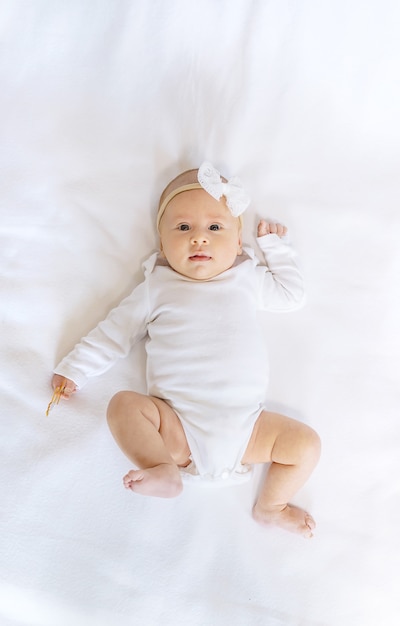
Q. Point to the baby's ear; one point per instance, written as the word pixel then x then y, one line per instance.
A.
pixel 240 246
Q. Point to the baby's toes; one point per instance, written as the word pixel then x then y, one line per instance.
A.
pixel 310 521
pixel 310 526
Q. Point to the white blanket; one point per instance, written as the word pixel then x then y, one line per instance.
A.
pixel 101 104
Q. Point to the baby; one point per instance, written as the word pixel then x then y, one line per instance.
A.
pixel 204 418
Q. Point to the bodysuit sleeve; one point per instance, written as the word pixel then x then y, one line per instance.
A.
pixel 280 282
pixel 112 339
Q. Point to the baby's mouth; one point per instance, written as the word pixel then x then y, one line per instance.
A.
pixel 199 256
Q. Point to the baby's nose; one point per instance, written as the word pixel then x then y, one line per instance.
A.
pixel 199 237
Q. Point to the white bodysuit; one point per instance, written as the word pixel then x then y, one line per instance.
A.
pixel 205 349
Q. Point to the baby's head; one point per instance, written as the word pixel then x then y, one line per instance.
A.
pixel 200 224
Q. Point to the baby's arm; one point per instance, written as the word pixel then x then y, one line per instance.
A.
pixel 281 286
pixel 112 339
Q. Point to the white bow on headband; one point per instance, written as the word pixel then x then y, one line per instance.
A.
pixel 236 197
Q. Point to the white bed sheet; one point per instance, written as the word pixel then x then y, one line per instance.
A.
pixel 101 104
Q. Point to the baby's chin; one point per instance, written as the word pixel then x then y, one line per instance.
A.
pixel 201 269
pixel 203 273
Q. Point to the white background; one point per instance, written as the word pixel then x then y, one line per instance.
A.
pixel 101 104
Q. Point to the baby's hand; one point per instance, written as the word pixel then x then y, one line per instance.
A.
pixel 61 381
pixel 270 228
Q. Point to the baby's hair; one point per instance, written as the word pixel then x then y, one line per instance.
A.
pixel 185 181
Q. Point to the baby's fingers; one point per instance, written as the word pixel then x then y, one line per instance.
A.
pixel 67 386
pixel 281 230
pixel 277 229
pixel 69 389
pixel 262 228
pixel 271 228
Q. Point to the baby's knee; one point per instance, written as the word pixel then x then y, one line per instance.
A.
pixel 311 444
pixel 118 404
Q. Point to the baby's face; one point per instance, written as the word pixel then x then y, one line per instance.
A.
pixel 200 238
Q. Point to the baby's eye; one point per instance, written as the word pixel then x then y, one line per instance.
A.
pixel 183 227
pixel 215 227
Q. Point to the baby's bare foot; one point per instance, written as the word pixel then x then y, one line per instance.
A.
pixel 162 481
pixel 290 518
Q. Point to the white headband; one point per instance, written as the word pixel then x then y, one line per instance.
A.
pixel 210 180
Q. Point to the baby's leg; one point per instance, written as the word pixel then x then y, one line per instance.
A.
pixel 293 449
pixel 150 433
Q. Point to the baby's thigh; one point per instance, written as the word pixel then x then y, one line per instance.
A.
pixel 271 430
pixel 172 433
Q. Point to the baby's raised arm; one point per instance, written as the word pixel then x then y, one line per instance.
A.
pixel 270 228
pixel 281 283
